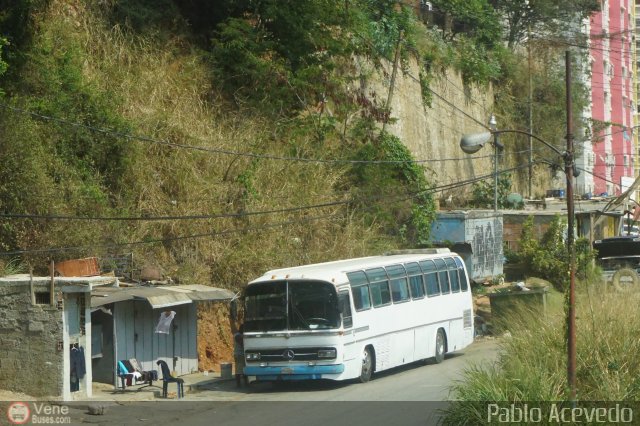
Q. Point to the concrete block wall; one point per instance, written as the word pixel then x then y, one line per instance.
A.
pixel 30 360
pixel 433 132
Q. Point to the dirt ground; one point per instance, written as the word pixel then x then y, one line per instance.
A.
pixel 215 336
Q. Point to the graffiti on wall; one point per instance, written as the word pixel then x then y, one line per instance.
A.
pixel 487 248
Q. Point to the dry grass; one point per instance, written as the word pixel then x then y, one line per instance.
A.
pixel 162 87
pixel 532 364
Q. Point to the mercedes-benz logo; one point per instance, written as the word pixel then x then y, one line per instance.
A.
pixel 289 354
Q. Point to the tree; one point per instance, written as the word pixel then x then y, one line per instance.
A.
pixel 543 17
pixel 474 18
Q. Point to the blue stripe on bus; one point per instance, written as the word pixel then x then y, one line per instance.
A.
pixel 295 371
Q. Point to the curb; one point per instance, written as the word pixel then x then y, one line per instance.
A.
pixel 194 387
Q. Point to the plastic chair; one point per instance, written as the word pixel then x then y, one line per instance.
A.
pixel 125 371
pixel 168 378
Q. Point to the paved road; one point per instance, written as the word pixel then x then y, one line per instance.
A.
pixel 414 382
pixel 410 395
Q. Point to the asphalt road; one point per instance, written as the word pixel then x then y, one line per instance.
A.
pixel 409 395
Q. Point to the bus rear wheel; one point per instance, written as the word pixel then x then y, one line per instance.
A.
pixel 367 365
pixel 440 346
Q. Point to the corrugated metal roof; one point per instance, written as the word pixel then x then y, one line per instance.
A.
pixel 159 297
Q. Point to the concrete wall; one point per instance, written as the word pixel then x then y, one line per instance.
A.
pixel 30 361
pixel 514 223
pixel 433 132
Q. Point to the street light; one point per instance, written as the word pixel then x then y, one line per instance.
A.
pixel 472 143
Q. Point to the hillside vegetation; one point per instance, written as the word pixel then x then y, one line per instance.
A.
pixel 225 139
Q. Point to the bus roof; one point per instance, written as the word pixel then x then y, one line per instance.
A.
pixel 335 271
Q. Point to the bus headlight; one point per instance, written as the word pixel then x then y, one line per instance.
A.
pixel 326 353
pixel 252 356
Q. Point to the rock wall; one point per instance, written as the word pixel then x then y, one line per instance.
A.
pixel 433 132
pixel 30 361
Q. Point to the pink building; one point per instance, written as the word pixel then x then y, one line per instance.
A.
pixel 608 157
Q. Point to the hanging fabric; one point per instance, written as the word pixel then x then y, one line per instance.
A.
pixel 78 367
pixel 164 324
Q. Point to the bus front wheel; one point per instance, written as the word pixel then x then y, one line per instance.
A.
pixel 367 365
pixel 440 346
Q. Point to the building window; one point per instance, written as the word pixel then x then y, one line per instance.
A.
pixel 43 298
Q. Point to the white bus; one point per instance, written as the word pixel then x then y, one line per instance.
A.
pixel 350 318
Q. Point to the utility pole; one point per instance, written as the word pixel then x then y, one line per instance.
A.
pixel 493 125
pixel 530 114
pixel 394 74
pixel 568 170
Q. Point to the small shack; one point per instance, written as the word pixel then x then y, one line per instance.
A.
pixel 45 335
pixel 125 319
pixel 476 235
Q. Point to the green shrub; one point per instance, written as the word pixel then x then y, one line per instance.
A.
pixel 532 361
pixel 397 194
pixel 549 257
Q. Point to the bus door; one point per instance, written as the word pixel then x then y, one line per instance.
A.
pixel 349 339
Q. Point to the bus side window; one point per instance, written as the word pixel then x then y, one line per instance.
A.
pixel 360 290
pixel 380 293
pixel 463 274
pixel 432 284
pixel 415 280
pixel 398 281
pixel 361 299
pixel 345 309
pixel 455 280
pixel 379 285
pixel 453 275
pixel 399 290
pixel 430 277
pixel 443 276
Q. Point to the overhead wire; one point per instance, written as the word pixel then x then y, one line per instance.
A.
pixel 244 229
pixel 217 150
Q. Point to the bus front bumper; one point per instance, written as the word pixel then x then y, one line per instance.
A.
pixel 292 372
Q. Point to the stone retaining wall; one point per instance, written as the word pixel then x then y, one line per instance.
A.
pixel 30 360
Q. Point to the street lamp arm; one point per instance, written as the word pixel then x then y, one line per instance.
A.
pixel 523 132
pixel 473 142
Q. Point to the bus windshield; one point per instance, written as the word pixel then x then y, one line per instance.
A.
pixel 291 305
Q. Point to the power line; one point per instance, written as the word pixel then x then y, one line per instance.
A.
pixel 450 186
pixel 162 240
pixel 598 176
pixel 588 47
pixel 201 217
pixel 453 105
pixel 217 150
pixel 164 218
